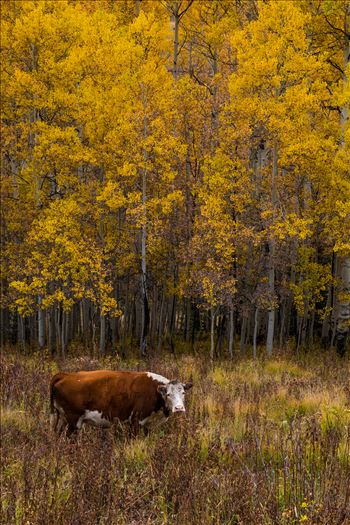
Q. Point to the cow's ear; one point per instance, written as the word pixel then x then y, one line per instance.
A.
pixel 161 389
pixel 187 386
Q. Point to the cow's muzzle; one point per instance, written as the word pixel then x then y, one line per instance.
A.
pixel 179 409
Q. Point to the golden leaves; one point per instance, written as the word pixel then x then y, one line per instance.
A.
pixel 91 108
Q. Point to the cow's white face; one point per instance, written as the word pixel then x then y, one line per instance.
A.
pixel 173 394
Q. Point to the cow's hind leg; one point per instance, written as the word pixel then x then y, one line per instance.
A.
pixel 58 422
pixel 62 425
pixel 54 418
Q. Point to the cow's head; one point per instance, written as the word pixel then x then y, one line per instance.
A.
pixel 173 394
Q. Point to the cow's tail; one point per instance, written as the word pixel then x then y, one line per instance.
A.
pixel 54 413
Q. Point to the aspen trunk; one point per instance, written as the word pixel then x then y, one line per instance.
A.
pixel 21 332
pixel 14 327
pixel 144 292
pixel 4 321
pixel 137 7
pixel 221 332
pixel 32 328
pixel 134 327
pixel 243 336
pixel 326 323
pixel 81 320
pixel 311 329
pixel 12 333
pixel 172 326
pixel 189 320
pixel 283 317
pixel 271 273
pixel 334 299
pixel 144 317
pixel 231 333
pixel 343 306
pixel 102 334
pixel 213 312
pixel 73 323
pixel 57 329
pixel 195 323
pixel 175 17
pixel 113 328
pixel 303 331
pixel 51 331
pixel 300 321
pixel 41 325
pixel 289 307
pixel 160 324
pixel 343 301
pixel 123 325
pixel 256 317
pixel 93 331
pixel 86 323
pixel 63 339
pixel 271 314
pixel 175 21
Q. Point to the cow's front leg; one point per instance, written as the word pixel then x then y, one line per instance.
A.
pixel 71 431
pixel 144 424
pixel 134 425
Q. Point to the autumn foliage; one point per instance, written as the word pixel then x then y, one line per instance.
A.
pixel 171 168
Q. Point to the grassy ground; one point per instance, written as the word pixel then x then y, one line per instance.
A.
pixel 264 442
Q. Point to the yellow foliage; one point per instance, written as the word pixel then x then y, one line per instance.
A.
pixel 102 144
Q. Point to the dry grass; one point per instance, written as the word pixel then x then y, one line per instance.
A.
pixel 264 442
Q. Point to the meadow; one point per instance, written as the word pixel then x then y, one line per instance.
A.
pixel 262 442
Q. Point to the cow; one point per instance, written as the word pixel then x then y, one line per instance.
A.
pixel 101 397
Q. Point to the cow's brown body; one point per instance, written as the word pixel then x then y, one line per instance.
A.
pixel 100 397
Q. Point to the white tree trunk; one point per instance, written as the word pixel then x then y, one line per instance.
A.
pixel 326 323
pixel 231 334
pixel 41 325
pixel 256 318
pixel 137 7
pixel 213 312
pixel 21 332
pixel 343 306
pixel 175 23
pixel 343 303
pixel 102 334
pixel 271 272
pixel 63 334
pixel 243 335
pixel 144 302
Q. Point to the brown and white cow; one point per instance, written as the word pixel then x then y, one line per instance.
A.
pixel 101 397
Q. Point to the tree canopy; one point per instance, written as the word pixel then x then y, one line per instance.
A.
pixel 172 167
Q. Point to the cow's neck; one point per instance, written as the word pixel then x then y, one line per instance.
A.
pixel 161 406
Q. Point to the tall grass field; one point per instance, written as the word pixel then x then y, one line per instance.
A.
pixel 262 442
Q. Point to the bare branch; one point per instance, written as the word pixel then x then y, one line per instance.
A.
pixel 338 29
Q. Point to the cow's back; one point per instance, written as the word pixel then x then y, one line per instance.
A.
pixel 115 394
